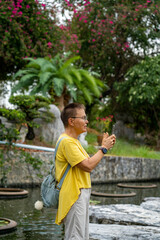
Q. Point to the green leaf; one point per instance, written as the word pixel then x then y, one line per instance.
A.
pixel 69 79
pixel 87 95
pixel 58 85
pixel 45 77
pixel 90 82
pixel 68 62
pixel 76 74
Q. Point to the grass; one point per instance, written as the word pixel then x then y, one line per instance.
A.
pixel 123 148
pixel 128 149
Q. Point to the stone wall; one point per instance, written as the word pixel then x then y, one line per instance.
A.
pixel 116 169
pixel 110 169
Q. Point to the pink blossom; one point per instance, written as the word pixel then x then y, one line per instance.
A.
pixel 85 21
pixel 38 13
pixel 49 44
pixel 27 6
pixel 126 45
pixel 77 51
pixel 43 5
pixel 93 40
pixel 20 13
pixel 18 5
pixel 14 12
pixel 111 22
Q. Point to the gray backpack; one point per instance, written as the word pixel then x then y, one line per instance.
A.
pixel 49 189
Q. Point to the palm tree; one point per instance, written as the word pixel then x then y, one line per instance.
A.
pixel 59 78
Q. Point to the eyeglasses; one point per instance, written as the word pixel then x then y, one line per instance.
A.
pixel 84 117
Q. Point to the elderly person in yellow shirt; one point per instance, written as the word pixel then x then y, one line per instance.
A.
pixel 73 208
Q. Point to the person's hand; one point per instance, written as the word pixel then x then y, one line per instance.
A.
pixel 108 141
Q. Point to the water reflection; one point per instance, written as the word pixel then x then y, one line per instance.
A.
pixel 39 225
pixel 32 224
pixel 138 199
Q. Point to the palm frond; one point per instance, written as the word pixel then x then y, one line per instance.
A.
pixel 76 74
pixel 24 83
pixel 69 78
pixel 18 87
pixel 90 82
pixel 58 84
pixel 37 89
pixel 72 90
pixel 23 72
pixel 44 77
pixel 87 95
pixel 68 62
pixel 46 88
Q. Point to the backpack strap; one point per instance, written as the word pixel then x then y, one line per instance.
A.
pixel 54 156
pixel 59 185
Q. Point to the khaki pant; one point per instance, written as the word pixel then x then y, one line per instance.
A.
pixel 77 220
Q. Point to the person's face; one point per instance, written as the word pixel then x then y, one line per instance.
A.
pixel 80 121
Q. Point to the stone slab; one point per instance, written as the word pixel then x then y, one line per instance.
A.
pixel 126 214
pixel 122 232
pixel 126 221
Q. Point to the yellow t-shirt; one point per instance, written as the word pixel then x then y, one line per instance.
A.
pixel 70 151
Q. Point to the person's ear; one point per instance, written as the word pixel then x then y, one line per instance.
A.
pixel 71 121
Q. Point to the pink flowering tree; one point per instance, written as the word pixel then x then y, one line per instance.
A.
pixel 27 29
pixel 113 35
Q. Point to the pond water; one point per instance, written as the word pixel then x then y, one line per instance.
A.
pixel 39 225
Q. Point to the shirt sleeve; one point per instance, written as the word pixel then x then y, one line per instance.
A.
pixel 73 153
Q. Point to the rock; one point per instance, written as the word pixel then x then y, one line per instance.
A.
pixel 83 140
pixel 122 232
pixel 7 123
pixel 151 203
pixel 22 134
pixel 125 214
pixel 120 130
pixel 126 221
pixel 51 131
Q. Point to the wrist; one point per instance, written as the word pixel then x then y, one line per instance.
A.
pixel 103 149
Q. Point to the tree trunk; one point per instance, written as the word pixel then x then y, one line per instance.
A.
pixel 59 101
pixel 30 135
pixel 62 101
